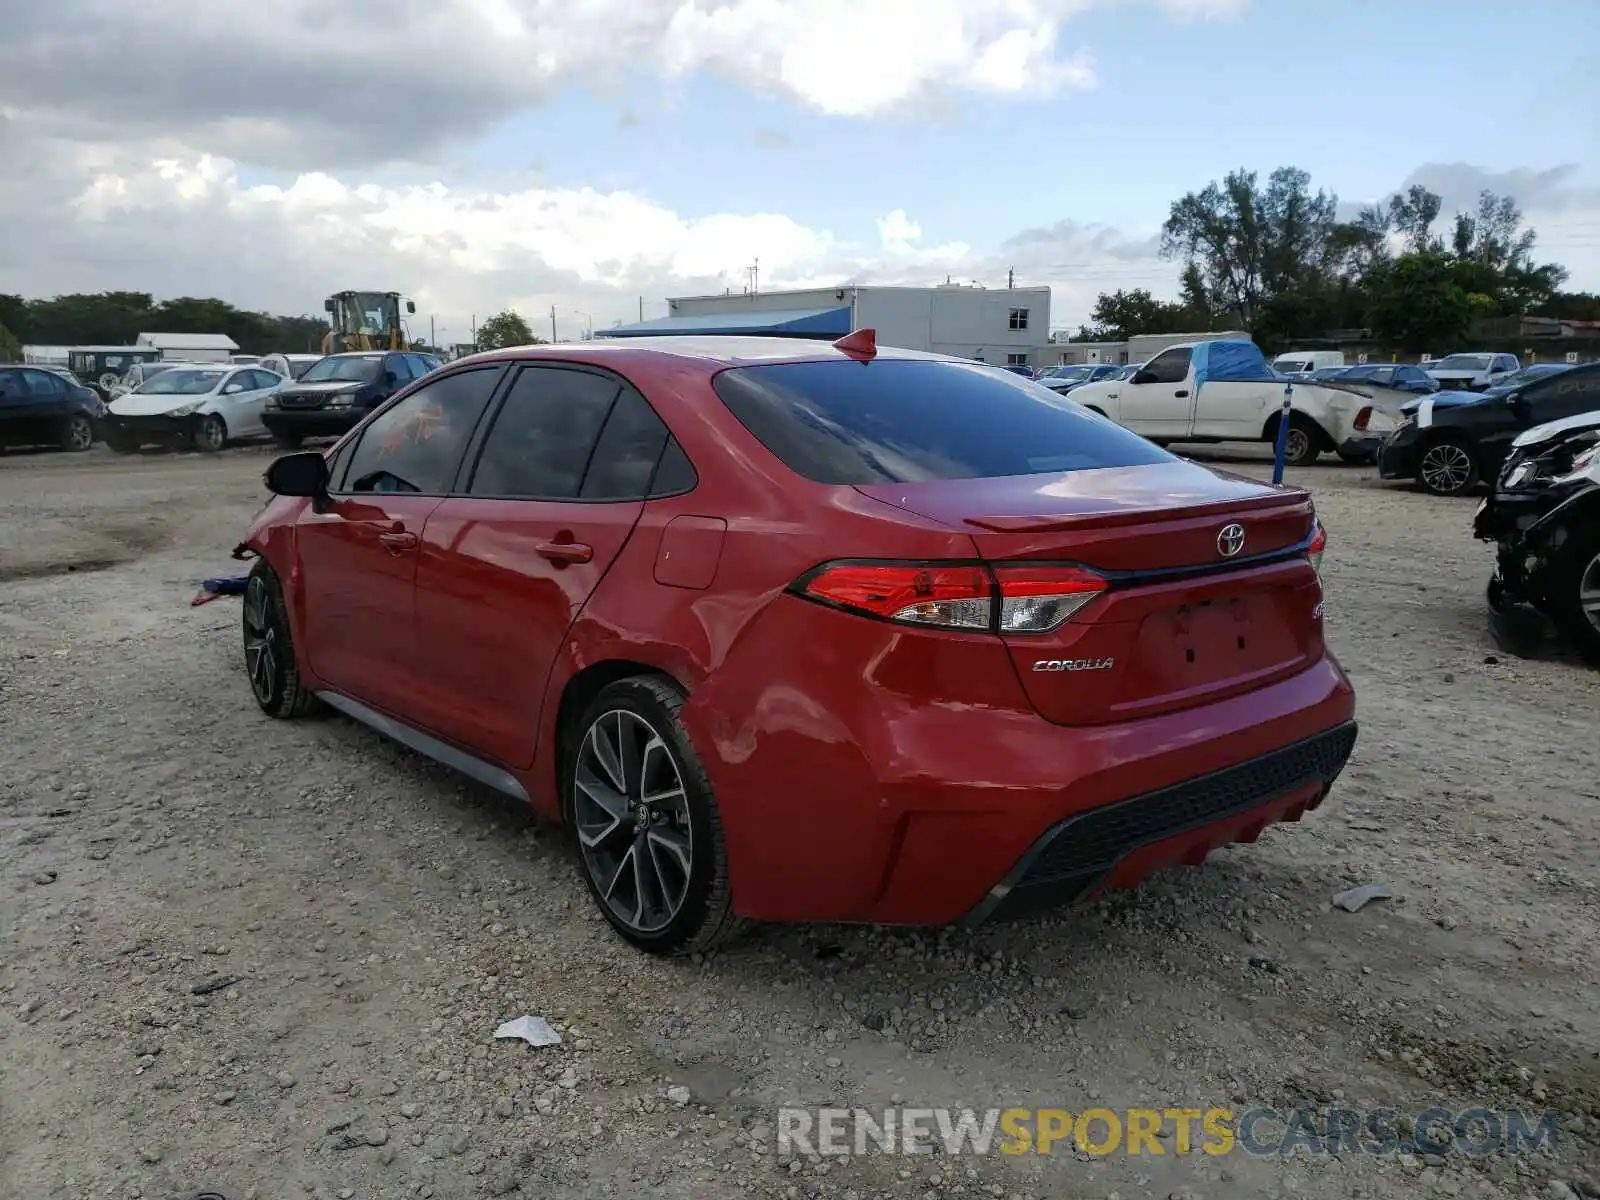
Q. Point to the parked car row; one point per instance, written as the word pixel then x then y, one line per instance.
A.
pixel 204 405
pixel 1451 441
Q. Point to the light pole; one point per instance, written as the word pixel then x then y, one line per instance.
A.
pixel 588 334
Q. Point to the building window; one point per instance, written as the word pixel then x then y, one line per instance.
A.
pixel 1016 360
pixel 1018 318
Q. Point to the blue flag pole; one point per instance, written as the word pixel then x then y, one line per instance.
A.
pixel 1282 448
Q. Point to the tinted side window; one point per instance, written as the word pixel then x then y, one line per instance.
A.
pixel 625 457
pixel 401 366
pixel 1170 366
pixel 45 383
pixel 675 474
pixel 416 445
pixel 543 435
pixel 904 420
pixel 418 364
pixel 12 389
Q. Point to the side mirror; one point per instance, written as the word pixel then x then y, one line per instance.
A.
pixel 304 474
pixel 411 306
pixel 327 306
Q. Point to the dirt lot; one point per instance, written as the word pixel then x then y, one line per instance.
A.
pixel 378 916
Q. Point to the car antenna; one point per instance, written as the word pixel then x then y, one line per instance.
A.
pixel 862 345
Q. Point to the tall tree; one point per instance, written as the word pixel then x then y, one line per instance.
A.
pixel 10 347
pixel 505 329
pixel 1246 243
pixel 1122 314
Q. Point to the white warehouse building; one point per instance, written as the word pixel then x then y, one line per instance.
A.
pixel 996 325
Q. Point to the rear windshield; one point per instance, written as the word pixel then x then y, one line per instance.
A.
pixel 907 420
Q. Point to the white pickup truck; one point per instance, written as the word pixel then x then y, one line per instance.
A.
pixel 1224 391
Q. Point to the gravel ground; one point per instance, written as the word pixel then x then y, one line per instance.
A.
pixel 267 958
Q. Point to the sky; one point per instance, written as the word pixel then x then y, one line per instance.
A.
pixel 594 157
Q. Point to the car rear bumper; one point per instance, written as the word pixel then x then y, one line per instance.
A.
pixel 1120 844
pixel 849 799
pixel 311 422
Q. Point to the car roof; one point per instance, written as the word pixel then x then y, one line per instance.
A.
pixel 711 350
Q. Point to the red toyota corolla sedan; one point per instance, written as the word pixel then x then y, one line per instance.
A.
pixel 791 631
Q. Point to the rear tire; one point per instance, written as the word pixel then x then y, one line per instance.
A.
pixel 1575 595
pixel 644 821
pixel 1304 444
pixel 1448 466
pixel 210 434
pixel 119 441
pixel 77 434
pixel 269 655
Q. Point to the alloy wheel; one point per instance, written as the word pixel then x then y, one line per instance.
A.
pixel 1446 468
pixel 261 642
pixel 1297 445
pixel 1589 591
pixel 80 434
pixel 210 435
pixel 631 815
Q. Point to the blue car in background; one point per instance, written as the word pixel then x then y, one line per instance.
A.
pixel 1401 376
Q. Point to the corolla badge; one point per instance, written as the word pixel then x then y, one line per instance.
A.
pixel 1074 664
pixel 1231 540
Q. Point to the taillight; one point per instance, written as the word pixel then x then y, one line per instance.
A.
pixel 1319 543
pixel 1037 599
pixel 1011 599
pixel 917 594
pixel 1362 418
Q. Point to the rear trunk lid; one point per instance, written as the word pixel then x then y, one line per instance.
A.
pixel 1183 620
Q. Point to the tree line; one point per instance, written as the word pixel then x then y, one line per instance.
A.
pixel 1276 259
pixel 118 318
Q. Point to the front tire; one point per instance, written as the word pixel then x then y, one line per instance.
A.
pixel 1574 595
pixel 269 656
pixel 645 822
pixel 210 434
pixel 1448 466
pixel 77 434
pixel 119 441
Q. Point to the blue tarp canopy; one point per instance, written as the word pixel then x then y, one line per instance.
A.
pixel 1234 361
pixel 792 322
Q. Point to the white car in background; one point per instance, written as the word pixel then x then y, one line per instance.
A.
pixel 204 405
pixel 142 372
pixel 1471 372
pixel 290 366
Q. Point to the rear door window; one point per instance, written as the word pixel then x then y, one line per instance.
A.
pixel 544 434
pixel 905 420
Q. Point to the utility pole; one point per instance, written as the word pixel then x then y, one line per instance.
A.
pixel 472 329
pixel 1011 279
pixel 553 323
pixel 641 309
pixel 755 277
pixel 433 341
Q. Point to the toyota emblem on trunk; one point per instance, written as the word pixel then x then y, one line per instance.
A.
pixel 1231 540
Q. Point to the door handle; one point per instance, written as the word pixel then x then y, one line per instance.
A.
pixel 566 552
pixel 397 540
pixel 1181 394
